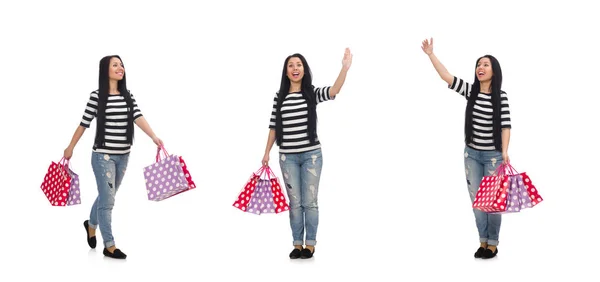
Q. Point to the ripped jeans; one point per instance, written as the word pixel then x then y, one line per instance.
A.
pixel 301 174
pixel 477 165
pixel 109 171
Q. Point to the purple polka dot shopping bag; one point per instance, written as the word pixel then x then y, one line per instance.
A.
pixel 166 177
pixel 61 184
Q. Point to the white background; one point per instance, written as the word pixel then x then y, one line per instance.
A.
pixel 393 196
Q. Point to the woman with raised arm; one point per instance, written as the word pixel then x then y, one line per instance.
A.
pixel 293 126
pixel 115 110
pixel 487 134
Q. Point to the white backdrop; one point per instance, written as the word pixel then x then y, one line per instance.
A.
pixel 393 196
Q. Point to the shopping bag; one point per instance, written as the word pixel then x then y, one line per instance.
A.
pixel 531 190
pixel 186 173
pixel 523 194
pixel 243 199
pixel 165 178
pixel 279 199
pixel 492 193
pixel 262 194
pixel 514 201
pixel 61 184
pixel 261 200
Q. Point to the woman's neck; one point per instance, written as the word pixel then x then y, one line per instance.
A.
pixel 295 87
pixel 485 87
pixel 112 87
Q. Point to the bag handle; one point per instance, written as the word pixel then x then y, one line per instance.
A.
pixel 500 170
pixel 270 173
pixel 158 150
pixel 65 165
pixel 503 168
pixel 511 168
pixel 265 170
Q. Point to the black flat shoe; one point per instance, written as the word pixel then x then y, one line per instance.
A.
pixel 295 253
pixel 117 254
pixel 91 240
pixel 479 252
pixel 306 253
pixel 487 254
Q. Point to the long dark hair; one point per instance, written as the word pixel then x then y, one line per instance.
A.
pixel 308 93
pixel 496 105
pixel 103 87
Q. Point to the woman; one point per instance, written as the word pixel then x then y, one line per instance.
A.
pixel 293 125
pixel 487 134
pixel 115 111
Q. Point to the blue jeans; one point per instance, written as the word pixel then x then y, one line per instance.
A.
pixel 109 171
pixel 477 165
pixel 301 173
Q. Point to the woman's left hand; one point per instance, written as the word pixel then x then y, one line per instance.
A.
pixel 505 158
pixel 157 141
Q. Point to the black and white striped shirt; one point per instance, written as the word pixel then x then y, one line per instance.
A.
pixel 483 133
pixel 294 118
pixel 116 122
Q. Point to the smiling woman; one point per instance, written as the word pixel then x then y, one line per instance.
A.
pixel 293 125
pixel 487 133
pixel 115 110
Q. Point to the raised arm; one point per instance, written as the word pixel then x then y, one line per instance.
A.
pixel 427 47
pixel 339 82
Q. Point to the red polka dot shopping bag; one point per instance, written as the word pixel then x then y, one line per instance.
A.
pixel 167 177
pixel 507 191
pixel 262 194
pixel 61 184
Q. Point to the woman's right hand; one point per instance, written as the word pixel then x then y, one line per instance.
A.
pixel 265 160
pixel 427 47
pixel 68 153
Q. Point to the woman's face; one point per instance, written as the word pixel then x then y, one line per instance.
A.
pixel 295 70
pixel 116 70
pixel 484 69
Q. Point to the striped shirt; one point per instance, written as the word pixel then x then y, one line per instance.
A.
pixel 483 133
pixel 116 122
pixel 294 118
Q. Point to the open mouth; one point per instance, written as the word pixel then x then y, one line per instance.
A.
pixel 295 74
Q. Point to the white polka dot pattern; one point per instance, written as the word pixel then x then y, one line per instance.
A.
pixel 492 194
pixel 61 186
pixel 186 173
pixel 278 197
pixel 525 193
pixel 165 179
pixel 243 199
pixel 534 195
pixel 260 196
pixel 261 200
pixel 521 195
pixel 74 193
